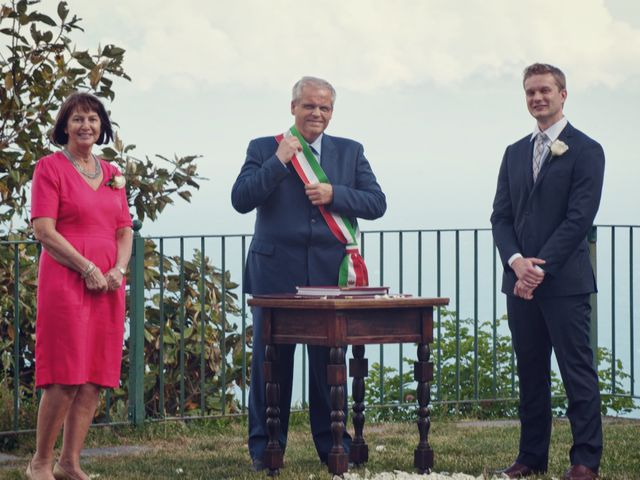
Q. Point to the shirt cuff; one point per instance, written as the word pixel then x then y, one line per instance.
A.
pixel 513 258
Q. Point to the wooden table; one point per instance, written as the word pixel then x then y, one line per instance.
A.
pixel 337 323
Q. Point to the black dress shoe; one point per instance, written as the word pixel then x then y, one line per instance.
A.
pixel 257 465
pixel 517 470
pixel 579 472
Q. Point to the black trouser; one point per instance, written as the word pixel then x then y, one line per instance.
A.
pixel 537 326
pixel 319 398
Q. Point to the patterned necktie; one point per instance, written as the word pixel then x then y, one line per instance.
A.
pixel 538 154
pixel 315 152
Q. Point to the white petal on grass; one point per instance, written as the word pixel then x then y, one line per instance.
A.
pixel 399 475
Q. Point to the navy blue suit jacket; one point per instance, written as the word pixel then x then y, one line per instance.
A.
pixel 292 244
pixel 550 219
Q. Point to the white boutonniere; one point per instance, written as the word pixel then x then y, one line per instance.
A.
pixel 558 147
pixel 116 182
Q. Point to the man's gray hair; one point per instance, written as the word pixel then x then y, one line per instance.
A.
pixel 296 93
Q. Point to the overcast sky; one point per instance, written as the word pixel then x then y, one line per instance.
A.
pixel 431 88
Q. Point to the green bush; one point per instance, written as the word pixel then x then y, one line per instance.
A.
pixel 201 328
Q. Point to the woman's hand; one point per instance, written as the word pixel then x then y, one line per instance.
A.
pixel 96 281
pixel 114 278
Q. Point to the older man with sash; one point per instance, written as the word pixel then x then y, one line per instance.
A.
pixel 307 188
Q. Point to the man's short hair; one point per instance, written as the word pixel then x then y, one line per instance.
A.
pixel 541 69
pixel 296 93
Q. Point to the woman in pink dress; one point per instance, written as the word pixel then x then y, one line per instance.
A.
pixel 80 214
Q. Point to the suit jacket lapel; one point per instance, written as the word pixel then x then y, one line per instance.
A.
pixel 528 168
pixel 329 158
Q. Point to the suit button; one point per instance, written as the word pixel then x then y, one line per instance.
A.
pixel 313 220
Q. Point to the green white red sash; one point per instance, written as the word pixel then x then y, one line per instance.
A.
pixel 353 271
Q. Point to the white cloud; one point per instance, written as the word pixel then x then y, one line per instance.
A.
pixel 368 44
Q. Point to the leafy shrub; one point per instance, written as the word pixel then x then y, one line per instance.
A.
pixel 496 399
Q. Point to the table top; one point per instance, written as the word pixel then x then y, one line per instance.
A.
pixel 293 301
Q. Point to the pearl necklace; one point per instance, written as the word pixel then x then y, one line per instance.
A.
pixel 90 176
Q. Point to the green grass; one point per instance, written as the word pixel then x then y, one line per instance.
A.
pixel 217 450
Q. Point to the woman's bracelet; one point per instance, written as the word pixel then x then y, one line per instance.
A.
pixel 87 271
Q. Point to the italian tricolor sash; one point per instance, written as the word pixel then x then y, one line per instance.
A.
pixel 353 271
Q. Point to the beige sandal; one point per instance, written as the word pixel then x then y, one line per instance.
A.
pixel 28 472
pixel 60 473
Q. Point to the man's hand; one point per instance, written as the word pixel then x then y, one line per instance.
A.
pixel 528 272
pixel 520 290
pixel 287 148
pixel 319 193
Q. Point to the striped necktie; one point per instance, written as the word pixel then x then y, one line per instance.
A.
pixel 538 153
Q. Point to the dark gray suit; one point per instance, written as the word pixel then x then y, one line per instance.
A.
pixel 550 219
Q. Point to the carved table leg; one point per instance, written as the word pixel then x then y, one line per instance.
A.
pixel 423 374
pixel 273 453
pixel 358 369
pixel 338 460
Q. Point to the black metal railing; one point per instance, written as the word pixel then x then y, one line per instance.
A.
pixel 186 351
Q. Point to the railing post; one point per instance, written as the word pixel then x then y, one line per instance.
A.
pixel 592 238
pixel 136 328
pixel 16 335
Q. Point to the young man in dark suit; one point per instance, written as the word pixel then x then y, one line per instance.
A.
pixel 548 193
pixel 294 246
